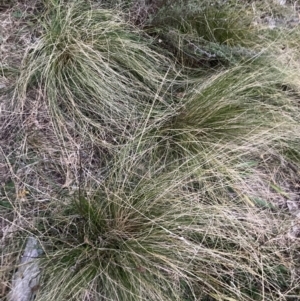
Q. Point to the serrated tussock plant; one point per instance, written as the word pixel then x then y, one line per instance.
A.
pixel 96 72
pixel 227 120
pixel 205 34
pixel 146 237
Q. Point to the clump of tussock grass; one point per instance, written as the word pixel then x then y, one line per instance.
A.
pixel 144 236
pixel 224 124
pixel 238 101
pixel 216 34
pixel 96 71
pixel 206 35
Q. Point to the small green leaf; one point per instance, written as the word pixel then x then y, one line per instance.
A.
pixel 263 203
pixel 5 204
pixel 17 14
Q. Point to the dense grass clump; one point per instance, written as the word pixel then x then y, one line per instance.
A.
pixel 224 124
pixel 210 34
pixel 96 71
pixel 142 237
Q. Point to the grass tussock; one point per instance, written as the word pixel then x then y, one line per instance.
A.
pixel 154 156
pixel 149 237
pixel 207 35
pixel 220 137
pixel 96 71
